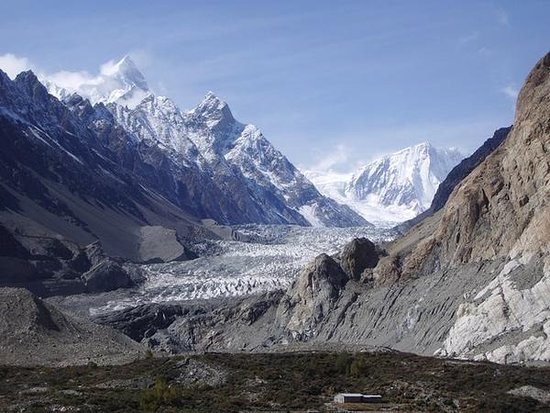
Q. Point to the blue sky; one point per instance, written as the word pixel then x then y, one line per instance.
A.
pixel 331 83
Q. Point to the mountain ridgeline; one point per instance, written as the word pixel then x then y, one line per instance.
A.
pixel 246 179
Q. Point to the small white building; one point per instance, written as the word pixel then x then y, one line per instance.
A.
pixel 357 398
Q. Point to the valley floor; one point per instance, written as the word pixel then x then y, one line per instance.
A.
pixel 216 382
pixel 264 258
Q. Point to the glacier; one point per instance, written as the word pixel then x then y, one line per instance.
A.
pixel 267 258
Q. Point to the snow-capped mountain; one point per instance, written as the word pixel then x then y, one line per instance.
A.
pixel 393 188
pixel 258 181
pixel 120 82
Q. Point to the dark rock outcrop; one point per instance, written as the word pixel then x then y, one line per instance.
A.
pixel 106 276
pixel 357 256
pixel 244 323
pixel 59 267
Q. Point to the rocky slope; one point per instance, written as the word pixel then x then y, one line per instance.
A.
pixel 473 280
pixel 35 333
pixel 457 174
pixel 470 281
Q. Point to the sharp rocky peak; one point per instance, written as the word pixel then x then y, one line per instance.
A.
pixel 29 82
pixel 27 78
pixel 127 72
pixel 212 107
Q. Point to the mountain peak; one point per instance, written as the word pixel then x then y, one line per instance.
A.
pixel 126 71
pixel 407 178
pixel 423 145
pixel 27 76
pixel 28 81
pixel 211 100
pixel 213 108
pixel 126 61
pixel 117 82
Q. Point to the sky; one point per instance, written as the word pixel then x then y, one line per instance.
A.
pixel 332 84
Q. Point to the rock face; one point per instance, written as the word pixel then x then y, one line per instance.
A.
pixel 500 209
pixel 33 332
pixel 470 281
pixel 311 297
pixel 498 213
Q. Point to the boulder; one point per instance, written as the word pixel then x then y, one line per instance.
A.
pixel 358 255
pixel 311 297
pixel 107 275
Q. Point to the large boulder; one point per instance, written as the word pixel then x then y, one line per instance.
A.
pixel 311 297
pixel 107 275
pixel 358 255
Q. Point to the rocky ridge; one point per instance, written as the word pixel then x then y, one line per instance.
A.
pixel 255 182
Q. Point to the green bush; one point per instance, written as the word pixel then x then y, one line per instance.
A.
pixel 161 394
pixel 343 363
pixel 358 368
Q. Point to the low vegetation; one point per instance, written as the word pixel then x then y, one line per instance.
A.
pixel 271 382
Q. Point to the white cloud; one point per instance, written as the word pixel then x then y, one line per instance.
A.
pixel 13 65
pixel 336 157
pixel 73 80
pixel 502 17
pixel 510 91
pixel 469 38
pixel 108 68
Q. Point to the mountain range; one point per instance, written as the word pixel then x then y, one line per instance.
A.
pixel 393 188
pixel 255 182
pixel 127 170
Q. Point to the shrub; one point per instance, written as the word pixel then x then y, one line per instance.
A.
pixel 161 394
pixel 342 363
pixel 358 368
